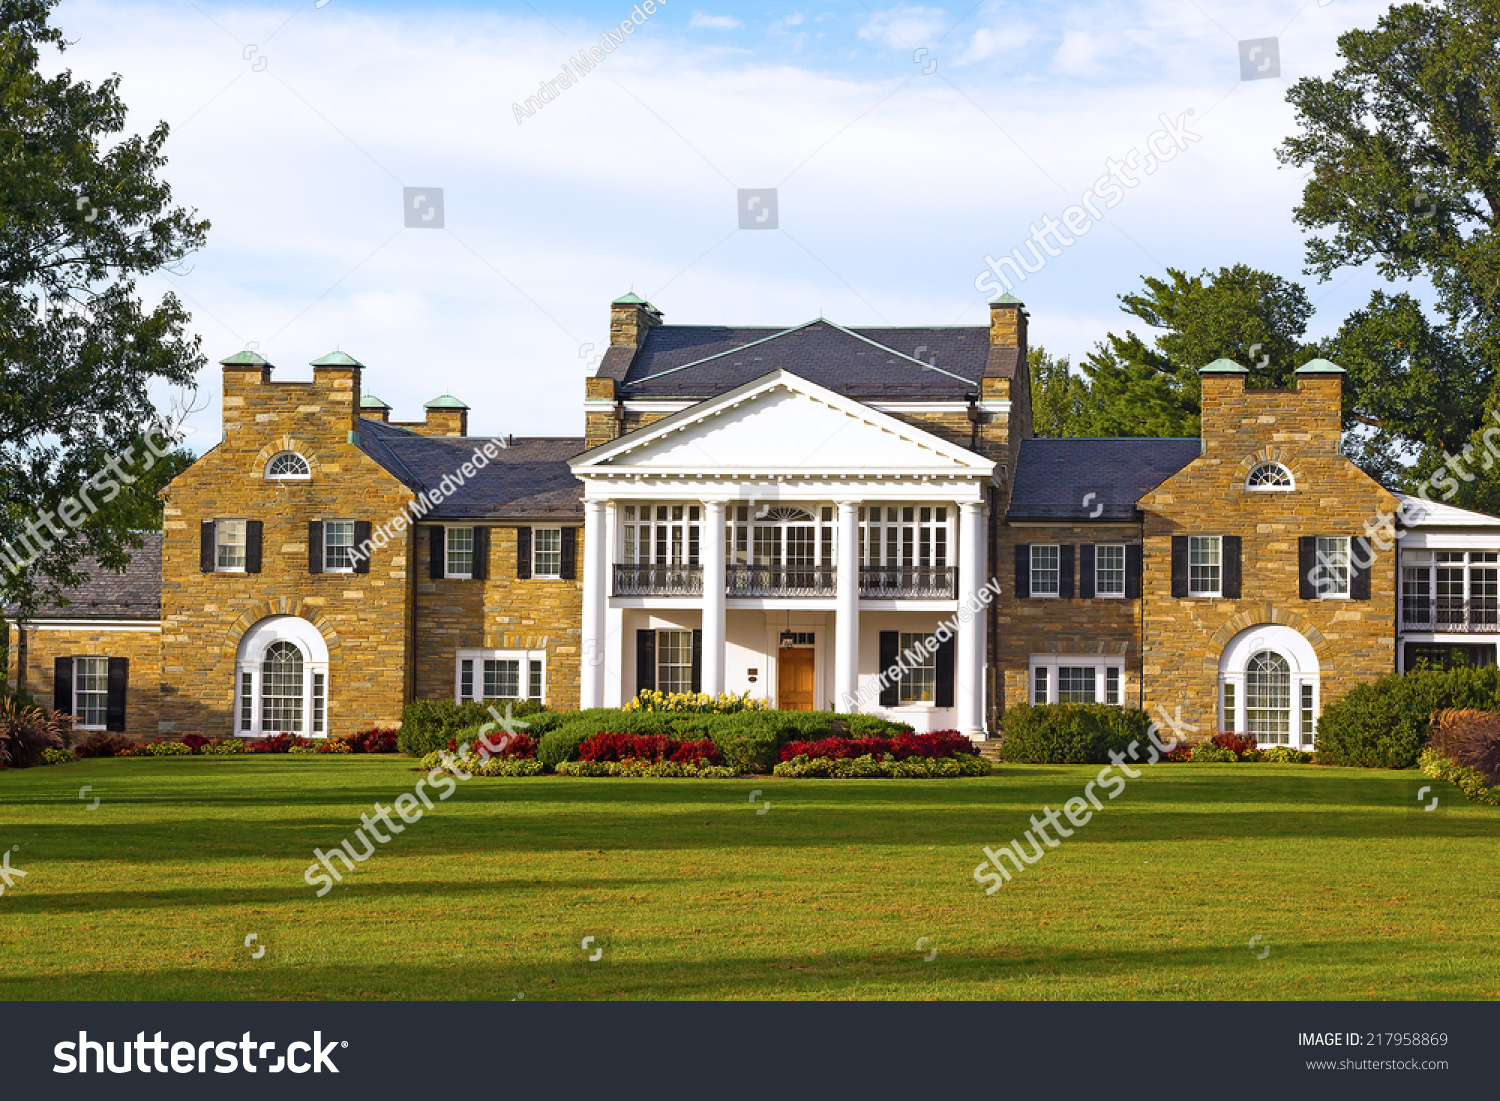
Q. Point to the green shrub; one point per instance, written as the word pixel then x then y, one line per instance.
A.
pixel 1070 733
pixel 1385 723
pixel 638 768
pixel 561 742
pixel 228 747
pixel 1285 755
pixel 427 725
pixel 868 768
pixel 1210 753
pixel 1473 783
pixel 54 756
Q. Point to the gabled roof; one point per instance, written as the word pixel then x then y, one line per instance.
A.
pixel 134 594
pixel 782 423
pixel 688 362
pixel 1421 513
pixel 528 480
pixel 1072 479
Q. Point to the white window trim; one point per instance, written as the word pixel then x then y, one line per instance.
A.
pixel 335 569
pixel 1347 594
pixel 1053 662
pixel 1124 557
pixel 919 705
pixel 525 657
pixel 288 477
pixel 231 520
pixel 535 570
pixel 252 652
pixel 447 538
pixel 1271 489
pixel 74 702
pixel 1031 572
pixel 1192 592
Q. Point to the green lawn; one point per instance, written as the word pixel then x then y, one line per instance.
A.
pixel 692 894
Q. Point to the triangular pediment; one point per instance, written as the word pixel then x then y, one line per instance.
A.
pixel 782 423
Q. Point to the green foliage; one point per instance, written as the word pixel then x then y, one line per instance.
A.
pixel 1385 723
pixel 165 749
pixel 1285 755
pixel 1070 733
pixel 1058 396
pixel 84 217
pixel 54 756
pixel 427 725
pixel 868 768
pixel 651 769
pixel 229 747
pixel 1210 753
pixel 561 743
pixel 1474 784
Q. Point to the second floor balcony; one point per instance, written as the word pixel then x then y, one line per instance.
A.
pixel 875 582
pixel 1450 615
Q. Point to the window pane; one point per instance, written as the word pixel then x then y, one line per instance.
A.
pixel 1075 684
pixel 281 690
pixel 1203 565
pixel 919 681
pixel 1109 569
pixel 91 690
pixel 338 544
pixel 466 679
pixel 1228 721
pixel 674 661
pixel 1044 568
pixel 1039 692
pixel 1333 566
pixel 231 543
pixel 534 686
pixel 1268 698
pixel 247 701
pixel 502 679
pixel 1112 685
pixel 460 542
pixel 1307 711
pixel 319 702
pixel 546 552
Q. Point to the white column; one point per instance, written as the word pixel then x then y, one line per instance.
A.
pixel 595 595
pixel 846 622
pixel 711 553
pixel 968 672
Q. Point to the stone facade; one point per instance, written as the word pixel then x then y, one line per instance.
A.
pixel 32 662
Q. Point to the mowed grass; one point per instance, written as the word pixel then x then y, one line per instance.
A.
pixel 692 894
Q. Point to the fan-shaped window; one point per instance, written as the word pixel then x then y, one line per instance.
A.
pixel 288 464
pixel 1270 476
pixel 786 514
pixel 281 692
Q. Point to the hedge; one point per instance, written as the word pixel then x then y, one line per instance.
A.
pixel 1069 733
pixel 1385 723
pixel 428 725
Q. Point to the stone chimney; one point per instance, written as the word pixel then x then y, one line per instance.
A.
pixel 1239 420
pixel 372 408
pixel 337 377
pixel 446 416
pixel 630 317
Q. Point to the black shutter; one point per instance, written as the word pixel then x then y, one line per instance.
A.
pixel 944 658
pixel 437 552
pixel 697 681
pixel 315 546
pixel 1023 569
pixel 1179 565
pixel 481 568
pixel 569 569
pixel 1065 571
pixel 1133 571
pixel 645 661
pixel 523 552
pixel 890 651
pixel 206 546
pixel 1232 554
pixel 1307 565
pixel 114 704
pixel 1086 570
pixel 62 685
pixel 1360 561
pixel 362 533
pixel 252 545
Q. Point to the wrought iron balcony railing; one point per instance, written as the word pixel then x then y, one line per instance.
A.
pixel 647 580
pixel 1455 616
pixel 783 580
pixel 933 583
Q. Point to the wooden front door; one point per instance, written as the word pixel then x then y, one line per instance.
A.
pixel 794 679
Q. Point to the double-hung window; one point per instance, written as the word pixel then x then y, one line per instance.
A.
pixel 91 692
pixel 338 546
pixel 1205 565
pixel 546 552
pixel 1046 559
pixel 674 661
pixel 229 543
pixel 1109 569
pixel 458 546
pixel 918 681
pixel 1333 566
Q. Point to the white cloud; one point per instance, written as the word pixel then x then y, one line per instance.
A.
pixel 990 42
pixel 905 27
pixel 714 22
pixel 795 19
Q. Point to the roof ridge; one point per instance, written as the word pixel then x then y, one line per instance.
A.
pixel 727 351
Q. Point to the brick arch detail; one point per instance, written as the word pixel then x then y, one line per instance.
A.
pixel 284 606
pixel 1272 453
pixel 1265 614
pixel 287 443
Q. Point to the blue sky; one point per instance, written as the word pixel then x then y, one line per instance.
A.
pixel 906 142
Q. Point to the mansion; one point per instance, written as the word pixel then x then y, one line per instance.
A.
pixel 828 518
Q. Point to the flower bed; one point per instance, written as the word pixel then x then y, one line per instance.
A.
pixel 636 767
pixel 868 767
pixel 939 744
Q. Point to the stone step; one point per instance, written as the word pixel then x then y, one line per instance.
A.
pixel 989 750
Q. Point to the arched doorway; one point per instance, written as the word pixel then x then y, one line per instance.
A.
pixel 281 680
pixel 1268 687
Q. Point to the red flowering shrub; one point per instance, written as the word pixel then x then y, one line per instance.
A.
pixel 278 743
pixel 690 753
pixel 1183 752
pixel 1241 745
pixel 195 742
pixel 940 743
pixel 620 747
pixel 376 739
pixel 518 746
pixel 101 744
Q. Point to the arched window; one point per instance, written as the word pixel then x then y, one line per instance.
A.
pixel 1270 476
pixel 1268 686
pixel 1268 697
pixel 288 464
pixel 281 680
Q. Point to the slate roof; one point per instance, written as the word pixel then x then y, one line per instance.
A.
pixel 1054 476
pixel 528 480
pixel 693 362
pixel 134 594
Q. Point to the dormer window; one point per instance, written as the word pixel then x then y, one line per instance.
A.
pixel 288 466
pixel 1270 477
